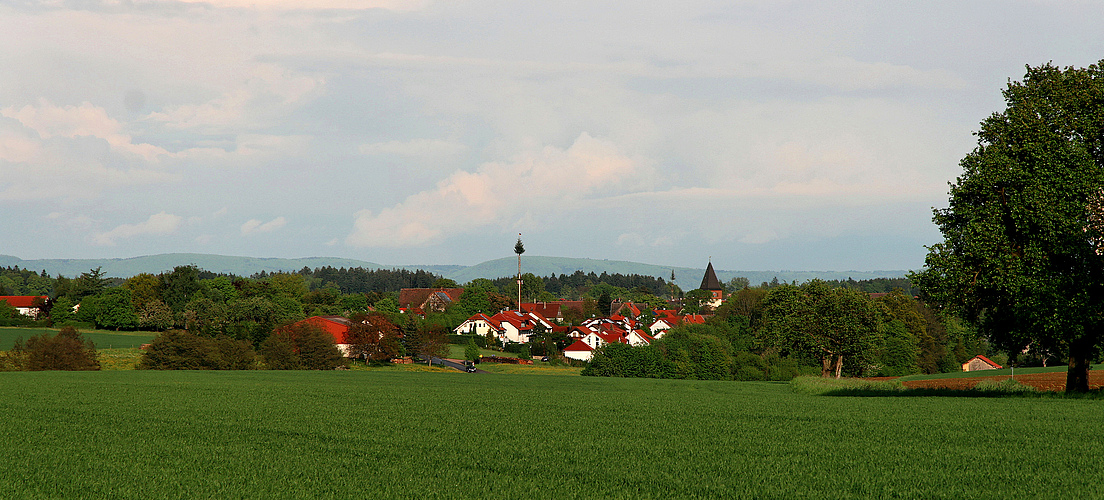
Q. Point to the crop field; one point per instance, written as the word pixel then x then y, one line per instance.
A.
pixel 102 338
pixel 391 434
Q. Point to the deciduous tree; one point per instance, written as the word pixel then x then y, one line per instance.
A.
pixel 1023 249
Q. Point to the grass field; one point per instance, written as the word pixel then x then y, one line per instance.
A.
pixel 391 434
pixel 103 339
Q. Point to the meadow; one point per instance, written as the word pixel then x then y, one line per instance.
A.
pixel 400 434
pixel 104 339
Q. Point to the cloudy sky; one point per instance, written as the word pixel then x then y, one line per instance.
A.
pixel 803 135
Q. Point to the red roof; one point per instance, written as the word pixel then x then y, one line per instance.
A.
pixel 416 297
pixel 988 361
pixel 21 300
pixel 694 319
pixel 545 309
pixel 515 318
pixel 336 326
pixel 579 345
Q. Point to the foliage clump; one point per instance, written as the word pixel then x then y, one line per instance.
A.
pixel 301 346
pixel 182 350
pixel 65 351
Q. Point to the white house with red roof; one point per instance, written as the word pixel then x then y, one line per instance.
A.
pixel 479 324
pixel 519 326
pixel 639 338
pixel 660 326
pixel 26 305
pixel 579 350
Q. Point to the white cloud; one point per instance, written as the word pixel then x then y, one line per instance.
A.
pixel 534 186
pixel 85 120
pixel 159 223
pixel 254 226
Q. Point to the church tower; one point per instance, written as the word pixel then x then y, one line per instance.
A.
pixel 711 284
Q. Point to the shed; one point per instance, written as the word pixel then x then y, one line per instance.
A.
pixel 980 362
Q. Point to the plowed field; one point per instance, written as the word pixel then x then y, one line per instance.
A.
pixel 1055 381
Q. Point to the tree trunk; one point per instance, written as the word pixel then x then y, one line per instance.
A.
pixel 1077 376
pixel 839 365
pixel 826 368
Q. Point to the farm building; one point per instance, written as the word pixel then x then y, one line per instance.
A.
pixel 27 305
pixel 336 326
pixel 980 362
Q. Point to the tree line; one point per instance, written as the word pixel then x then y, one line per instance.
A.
pixel 777 332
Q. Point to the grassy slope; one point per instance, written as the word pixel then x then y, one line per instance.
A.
pixel 387 434
pixel 103 339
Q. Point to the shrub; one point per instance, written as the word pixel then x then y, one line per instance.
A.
pixel 182 350
pixel 301 346
pixel 748 366
pixel 65 351
pixel 623 360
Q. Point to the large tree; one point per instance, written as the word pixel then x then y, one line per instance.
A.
pixel 1024 230
pixel 831 324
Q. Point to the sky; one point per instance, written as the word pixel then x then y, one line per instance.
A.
pixel 760 135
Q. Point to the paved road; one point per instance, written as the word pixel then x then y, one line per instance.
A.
pixel 455 364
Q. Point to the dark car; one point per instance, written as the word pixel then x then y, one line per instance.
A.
pixel 469 367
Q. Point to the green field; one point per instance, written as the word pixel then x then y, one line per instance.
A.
pixel 102 338
pixel 390 434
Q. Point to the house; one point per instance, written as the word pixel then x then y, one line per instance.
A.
pixel 579 350
pixel 478 324
pixel 27 305
pixel 422 300
pixel 638 338
pixel 660 326
pixel 517 326
pixel 980 362
pixel 550 310
pixel 625 309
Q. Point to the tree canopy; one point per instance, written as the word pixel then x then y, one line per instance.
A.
pixel 1024 229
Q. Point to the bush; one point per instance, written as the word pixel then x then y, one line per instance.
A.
pixel 182 350
pixel 623 360
pixel 748 366
pixel 65 351
pixel 301 346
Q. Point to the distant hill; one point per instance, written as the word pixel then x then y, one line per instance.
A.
pixel 687 277
pixel 125 268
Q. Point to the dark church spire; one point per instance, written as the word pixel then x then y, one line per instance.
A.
pixel 710 281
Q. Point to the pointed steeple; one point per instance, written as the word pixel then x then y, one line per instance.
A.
pixel 710 281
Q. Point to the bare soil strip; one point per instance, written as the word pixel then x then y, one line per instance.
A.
pixel 1055 381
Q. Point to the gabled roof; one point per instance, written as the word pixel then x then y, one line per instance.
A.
pixel 986 361
pixel 578 345
pixel 336 326
pixel 514 318
pixel 417 297
pixel 545 309
pixel 480 317
pixel 645 335
pixel 693 319
pixel 21 300
pixel 710 281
